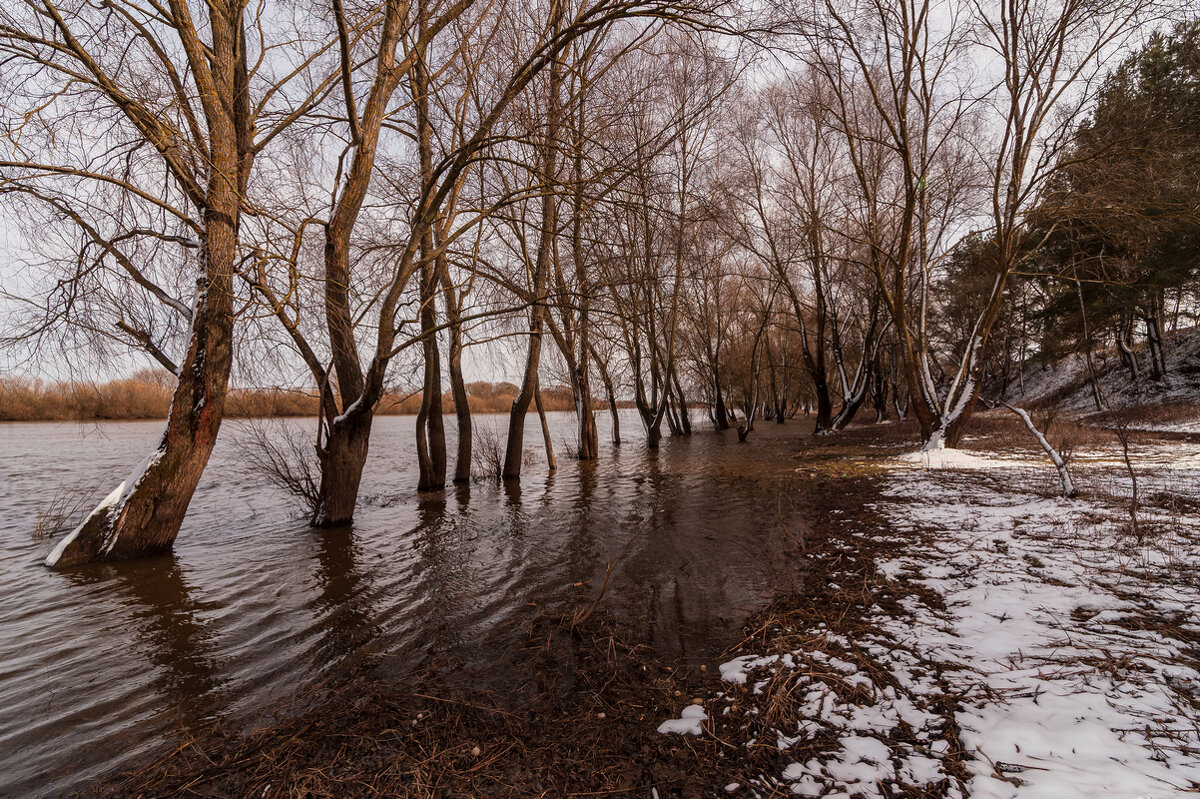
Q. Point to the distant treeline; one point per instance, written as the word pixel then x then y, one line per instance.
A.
pixel 147 396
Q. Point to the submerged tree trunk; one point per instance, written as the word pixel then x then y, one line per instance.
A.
pixel 515 449
pixel 720 413
pixel 609 392
pixel 685 421
pixel 585 416
pixel 431 433
pixel 347 439
pixel 143 515
pixel 458 388
pixel 551 461
pixel 342 460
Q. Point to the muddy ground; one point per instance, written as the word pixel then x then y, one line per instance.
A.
pixel 581 717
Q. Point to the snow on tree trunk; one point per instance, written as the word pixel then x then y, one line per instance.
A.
pixel 1068 485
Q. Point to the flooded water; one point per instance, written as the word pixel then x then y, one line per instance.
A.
pixel 100 664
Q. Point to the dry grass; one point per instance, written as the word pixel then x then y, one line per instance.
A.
pixel 35 400
pixel 1151 415
pixel 487 454
pixel 841 589
pixel 288 458
pixel 147 395
pixel 63 510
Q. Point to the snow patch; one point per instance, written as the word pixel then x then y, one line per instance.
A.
pixel 114 500
pixel 690 722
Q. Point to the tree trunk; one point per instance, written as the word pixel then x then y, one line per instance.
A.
pixel 653 436
pixel 1097 398
pixel 342 460
pixel 1158 364
pixel 462 409
pixel 431 432
pixel 344 452
pixel 1127 353
pixel 606 379
pixel 721 413
pixel 515 449
pixel 685 421
pixel 143 515
pixel 551 461
pixel 585 415
pixel 672 415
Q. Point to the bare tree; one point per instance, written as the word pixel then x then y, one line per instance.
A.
pixel 185 110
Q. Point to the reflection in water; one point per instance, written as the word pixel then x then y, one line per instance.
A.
pixel 512 492
pixel 442 567
pixel 581 547
pixel 170 629
pixel 253 606
pixel 344 621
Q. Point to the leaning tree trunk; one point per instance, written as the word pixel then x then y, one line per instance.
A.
pixel 551 461
pixel 685 421
pixel 1060 463
pixel 143 515
pixel 514 451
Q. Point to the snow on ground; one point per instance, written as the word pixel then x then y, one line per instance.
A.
pixel 955 459
pixel 1067 381
pixel 1068 689
pixel 1059 659
pixel 690 722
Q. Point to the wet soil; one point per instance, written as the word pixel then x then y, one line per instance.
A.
pixel 569 697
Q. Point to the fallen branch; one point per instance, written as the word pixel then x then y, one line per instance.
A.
pixel 581 616
pixel 1060 463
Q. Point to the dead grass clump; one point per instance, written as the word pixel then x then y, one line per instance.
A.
pixel 286 455
pixel 64 510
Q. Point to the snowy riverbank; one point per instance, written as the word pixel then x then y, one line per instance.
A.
pixel 1036 647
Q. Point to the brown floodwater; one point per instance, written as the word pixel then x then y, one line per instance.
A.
pixel 103 664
